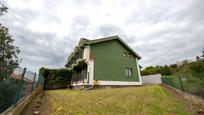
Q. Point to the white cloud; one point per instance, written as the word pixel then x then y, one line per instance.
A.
pixel 162 32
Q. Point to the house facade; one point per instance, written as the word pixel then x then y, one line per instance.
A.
pixel 106 61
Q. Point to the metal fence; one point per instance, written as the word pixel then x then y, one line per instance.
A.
pixel 20 83
pixel 186 84
pixel 173 81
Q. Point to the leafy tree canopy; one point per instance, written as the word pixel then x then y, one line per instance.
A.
pixel 185 68
pixel 8 52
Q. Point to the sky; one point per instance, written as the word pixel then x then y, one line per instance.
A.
pixel 160 31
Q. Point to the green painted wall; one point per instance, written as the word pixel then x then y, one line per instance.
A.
pixel 110 63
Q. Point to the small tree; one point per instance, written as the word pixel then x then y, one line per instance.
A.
pixel 8 61
pixel 197 69
pixel 3 9
pixel 8 52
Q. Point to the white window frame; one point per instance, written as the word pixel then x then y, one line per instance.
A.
pixel 125 54
pixel 128 72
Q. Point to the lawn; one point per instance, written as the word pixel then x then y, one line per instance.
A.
pixel 147 100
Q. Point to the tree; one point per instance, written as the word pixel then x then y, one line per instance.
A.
pixel 149 68
pixel 8 61
pixel 150 71
pixel 3 9
pixel 197 69
pixel 165 70
pixel 202 54
pixel 174 68
pixel 8 52
pixel 185 71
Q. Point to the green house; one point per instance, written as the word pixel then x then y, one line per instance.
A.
pixel 106 61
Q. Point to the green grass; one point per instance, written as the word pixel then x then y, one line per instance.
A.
pixel 148 100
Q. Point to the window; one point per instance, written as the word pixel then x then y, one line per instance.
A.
pixel 128 72
pixel 125 54
pixel 128 55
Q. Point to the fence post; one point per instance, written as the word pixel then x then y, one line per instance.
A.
pixel 181 83
pixel 20 87
pixel 33 82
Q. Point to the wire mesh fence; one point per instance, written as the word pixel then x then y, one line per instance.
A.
pixel 173 81
pixel 186 84
pixel 17 85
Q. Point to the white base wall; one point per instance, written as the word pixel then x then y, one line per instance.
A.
pixel 119 83
pixel 122 83
pixel 74 84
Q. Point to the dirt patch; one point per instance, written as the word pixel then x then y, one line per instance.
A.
pixel 197 109
pixel 35 107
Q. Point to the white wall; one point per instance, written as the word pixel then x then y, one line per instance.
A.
pixel 86 53
pixel 90 64
pixel 152 79
pixel 138 69
pixel 119 83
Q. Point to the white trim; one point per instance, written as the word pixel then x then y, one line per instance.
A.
pixel 90 70
pixel 138 69
pixel 90 64
pixel 86 53
pixel 119 83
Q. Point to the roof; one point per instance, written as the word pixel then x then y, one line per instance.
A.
pixel 90 42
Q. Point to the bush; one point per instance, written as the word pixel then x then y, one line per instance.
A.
pixel 8 91
pixel 58 78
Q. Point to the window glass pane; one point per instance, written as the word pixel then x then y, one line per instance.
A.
pixel 128 55
pixel 130 72
pixel 126 72
pixel 125 54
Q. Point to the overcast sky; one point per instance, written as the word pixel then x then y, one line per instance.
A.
pixel 161 31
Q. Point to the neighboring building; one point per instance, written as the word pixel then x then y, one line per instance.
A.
pixel 105 61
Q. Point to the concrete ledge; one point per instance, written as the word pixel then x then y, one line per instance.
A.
pixel 119 83
pixel 16 110
pixel 93 87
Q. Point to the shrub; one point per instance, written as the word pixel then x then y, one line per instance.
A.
pixel 8 91
pixel 56 77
